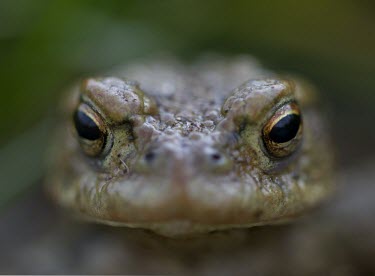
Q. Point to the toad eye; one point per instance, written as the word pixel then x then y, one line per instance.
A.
pixel 90 129
pixel 282 134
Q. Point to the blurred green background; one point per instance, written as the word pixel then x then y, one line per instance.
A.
pixel 46 45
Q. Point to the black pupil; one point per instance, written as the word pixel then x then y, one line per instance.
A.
pixel 86 127
pixel 285 129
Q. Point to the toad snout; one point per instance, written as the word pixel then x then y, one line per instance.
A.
pixel 182 159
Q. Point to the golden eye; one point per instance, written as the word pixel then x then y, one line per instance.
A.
pixel 282 134
pixel 91 130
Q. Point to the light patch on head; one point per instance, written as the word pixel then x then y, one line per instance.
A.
pixel 251 98
pixel 118 99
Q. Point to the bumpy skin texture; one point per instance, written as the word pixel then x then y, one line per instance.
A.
pixel 185 151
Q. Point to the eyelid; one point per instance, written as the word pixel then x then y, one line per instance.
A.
pixel 294 110
pixel 283 109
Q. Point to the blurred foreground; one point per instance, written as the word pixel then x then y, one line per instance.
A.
pixel 337 239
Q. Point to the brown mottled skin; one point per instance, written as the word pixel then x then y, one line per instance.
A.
pixel 185 149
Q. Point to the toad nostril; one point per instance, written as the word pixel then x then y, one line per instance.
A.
pixel 216 162
pixel 150 156
pixel 216 157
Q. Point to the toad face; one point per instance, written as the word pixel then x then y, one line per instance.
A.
pixel 179 149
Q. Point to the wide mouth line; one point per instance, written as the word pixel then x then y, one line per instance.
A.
pixel 186 228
